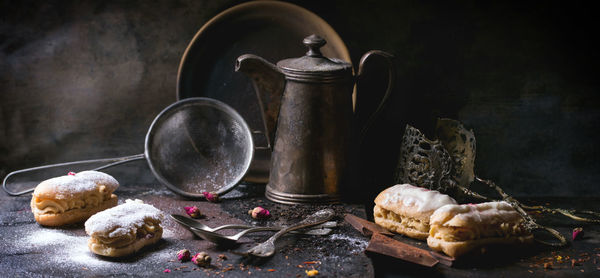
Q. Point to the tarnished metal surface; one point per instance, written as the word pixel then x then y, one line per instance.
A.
pixel 312 145
pixel 312 142
pixel 460 144
pixel 199 145
pixel 423 162
pixel 438 164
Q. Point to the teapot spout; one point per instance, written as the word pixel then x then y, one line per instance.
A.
pixel 269 83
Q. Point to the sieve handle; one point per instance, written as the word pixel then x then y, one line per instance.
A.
pixel 112 162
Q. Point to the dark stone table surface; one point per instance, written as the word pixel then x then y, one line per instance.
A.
pixel 30 250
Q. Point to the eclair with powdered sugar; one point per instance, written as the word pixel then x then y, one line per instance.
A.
pixel 73 198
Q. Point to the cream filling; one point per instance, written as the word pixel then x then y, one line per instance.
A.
pixel 404 221
pixel 54 206
pixel 149 229
pixel 453 234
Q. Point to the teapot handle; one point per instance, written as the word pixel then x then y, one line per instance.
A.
pixel 391 75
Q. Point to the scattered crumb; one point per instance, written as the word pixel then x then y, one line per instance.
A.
pixel 311 273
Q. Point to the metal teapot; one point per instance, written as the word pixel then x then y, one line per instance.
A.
pixel 315 121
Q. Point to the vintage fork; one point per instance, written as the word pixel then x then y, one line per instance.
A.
pixel 267 248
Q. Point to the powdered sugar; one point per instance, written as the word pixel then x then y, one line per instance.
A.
pixel 49 237
pixel 122 219
pixel 356 244
pixel 414 196
pixel 71 250
pixel 66 186
pixel 71 247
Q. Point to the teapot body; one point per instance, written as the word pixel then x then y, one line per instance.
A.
pixel 314 131
pixel 309 157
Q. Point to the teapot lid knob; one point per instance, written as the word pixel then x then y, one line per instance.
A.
pixel 314 43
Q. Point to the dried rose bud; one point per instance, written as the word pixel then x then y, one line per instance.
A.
pixel 259 213
pixel 201 259
pixel 71 173
pixel 184 255
pixel 577 233
pixel 210 196
pixel 193 212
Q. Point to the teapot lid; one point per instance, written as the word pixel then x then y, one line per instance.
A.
pixel 314 65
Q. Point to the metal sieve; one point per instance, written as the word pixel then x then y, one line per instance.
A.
pixel 193 146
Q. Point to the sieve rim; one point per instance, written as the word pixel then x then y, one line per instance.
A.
pixel 195 101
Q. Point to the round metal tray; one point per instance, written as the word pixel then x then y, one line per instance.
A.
pixel 270 29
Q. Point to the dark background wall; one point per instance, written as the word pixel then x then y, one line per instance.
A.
pixel 84 79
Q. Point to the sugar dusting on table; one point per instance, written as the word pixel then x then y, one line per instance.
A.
pixel 71 248
pixel 70 251
pixel 355 244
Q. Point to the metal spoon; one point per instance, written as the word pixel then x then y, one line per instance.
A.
pixel 220 239
pixel 191 223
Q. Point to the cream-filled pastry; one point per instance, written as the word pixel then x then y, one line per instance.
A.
pixel 73 198
pixel 459 229
pixel 124 229
pixel 405 209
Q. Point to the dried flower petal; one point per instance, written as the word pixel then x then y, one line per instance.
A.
pixel 71 173
pixel 211 196
pixel 201 259
pixel 167 271
pixel 577 233
pixel 259 213
pixel 184 255
pixel 312 272
pixel 193 212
